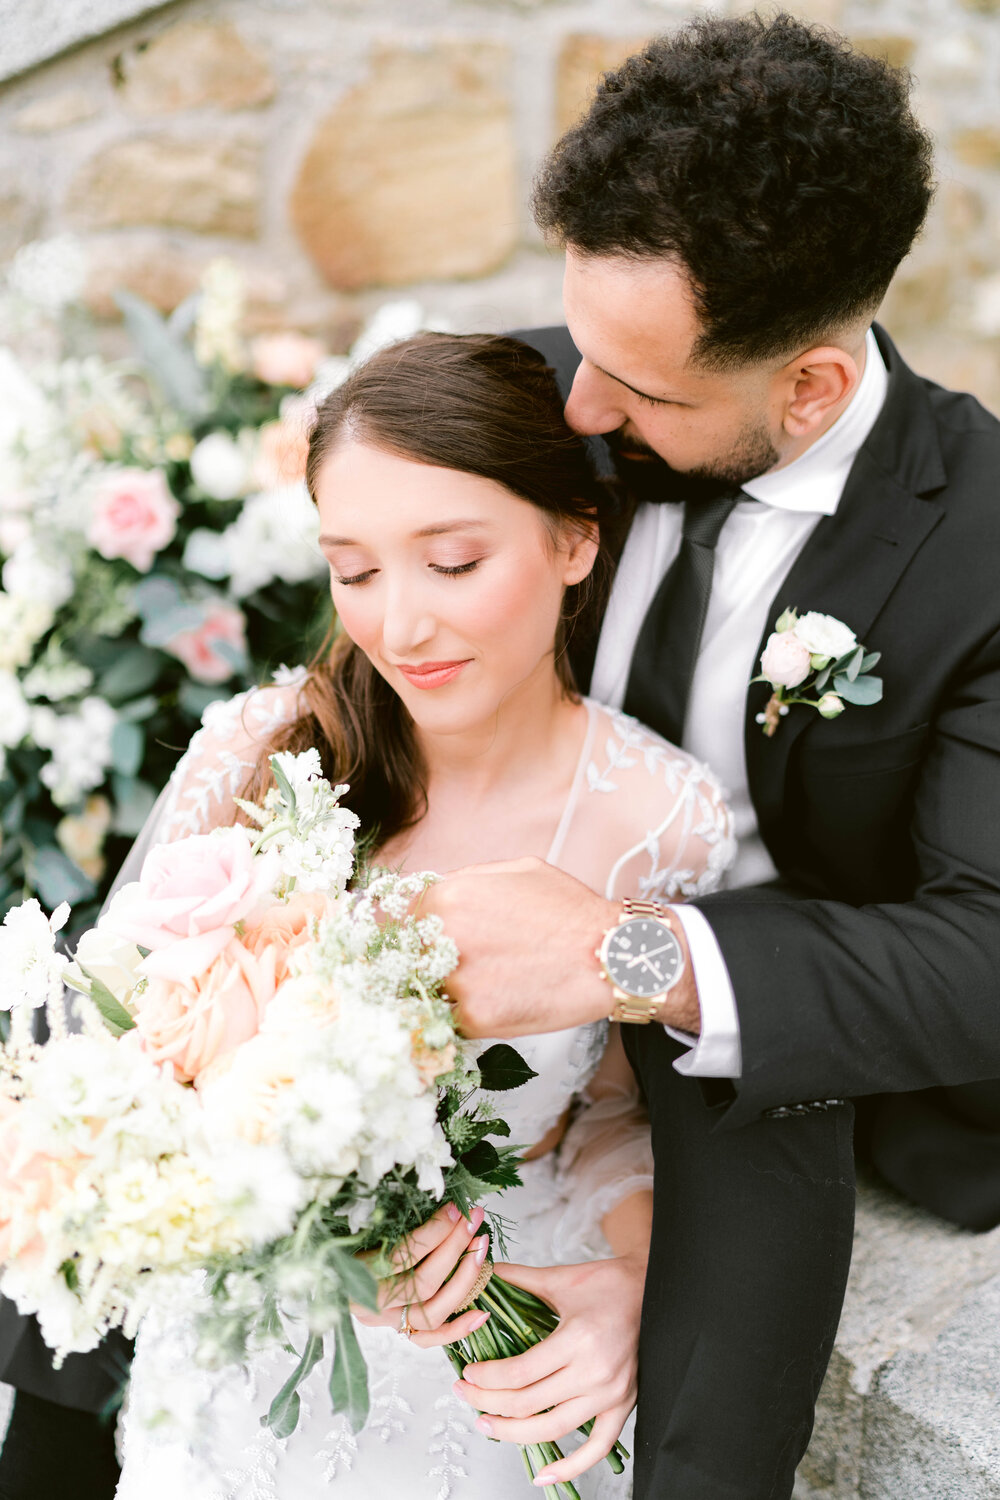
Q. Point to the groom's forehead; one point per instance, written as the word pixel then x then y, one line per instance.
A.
pixel 634 319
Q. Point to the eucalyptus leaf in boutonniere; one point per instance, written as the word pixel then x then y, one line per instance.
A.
pixel 816 660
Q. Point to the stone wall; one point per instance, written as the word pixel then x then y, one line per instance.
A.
pixel 346 150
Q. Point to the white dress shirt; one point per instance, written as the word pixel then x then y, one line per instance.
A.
pixel 756 549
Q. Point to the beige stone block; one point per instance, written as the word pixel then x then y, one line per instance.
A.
pixel 959 209
pixel 583 60
pixel 57 111
pixel 921 297
pixel 412 175
pixel 982 7
pixel 20 221
pixel 978 146
pixel 896 50
pixel 164 273
pixel 192 64
pixel 211 186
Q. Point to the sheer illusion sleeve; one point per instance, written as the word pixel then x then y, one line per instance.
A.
pixel 651 822
pixel 216 765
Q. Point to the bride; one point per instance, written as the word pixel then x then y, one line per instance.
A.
pixel 462 533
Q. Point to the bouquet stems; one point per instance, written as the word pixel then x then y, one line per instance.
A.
pixel 518 1321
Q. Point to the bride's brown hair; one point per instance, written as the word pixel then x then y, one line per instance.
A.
pixel 481 404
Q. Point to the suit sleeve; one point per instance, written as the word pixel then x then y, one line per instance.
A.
pixel 836 1000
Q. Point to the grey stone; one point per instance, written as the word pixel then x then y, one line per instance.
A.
pixel 32 31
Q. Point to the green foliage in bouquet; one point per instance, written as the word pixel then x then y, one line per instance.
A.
pixel 156 552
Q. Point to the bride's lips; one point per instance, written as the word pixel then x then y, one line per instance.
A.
pixel 432 674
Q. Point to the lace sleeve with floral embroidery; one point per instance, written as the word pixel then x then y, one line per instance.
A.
pixel 669 805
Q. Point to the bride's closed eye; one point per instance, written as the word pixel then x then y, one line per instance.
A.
pixel 454 572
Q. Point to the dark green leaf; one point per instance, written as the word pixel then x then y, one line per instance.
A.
pixel 283 1413
pixel 138 709
pixel 501 1068
pixel 168 356
pixel 57 878
pixel 822 680
pixel 481 1159
pixel 854 664
pixel 128 745
pixel 114 1015
pixel 136 669
pixel 864 691
pixel 349 1376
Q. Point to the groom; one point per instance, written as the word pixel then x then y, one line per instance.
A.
pixel 733 208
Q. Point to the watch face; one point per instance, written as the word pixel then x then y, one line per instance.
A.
pixel 643 957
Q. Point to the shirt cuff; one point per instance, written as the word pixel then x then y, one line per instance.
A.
pixel 716 1053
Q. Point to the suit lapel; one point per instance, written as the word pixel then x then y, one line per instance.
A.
pixel 854 559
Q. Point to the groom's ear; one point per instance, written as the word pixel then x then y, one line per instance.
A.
pixel 817 385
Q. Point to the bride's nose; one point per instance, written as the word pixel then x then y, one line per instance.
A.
pixel 407 624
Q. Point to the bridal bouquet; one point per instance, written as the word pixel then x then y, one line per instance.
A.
pixel 265 1085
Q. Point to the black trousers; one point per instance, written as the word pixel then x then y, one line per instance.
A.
pixel 53 1452
pixel 752 1237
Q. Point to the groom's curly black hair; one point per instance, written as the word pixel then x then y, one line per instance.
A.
pixel 782 167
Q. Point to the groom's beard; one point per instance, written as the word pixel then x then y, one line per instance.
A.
pixel 651 478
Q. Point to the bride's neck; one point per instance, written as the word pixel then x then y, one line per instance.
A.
pixel 517 738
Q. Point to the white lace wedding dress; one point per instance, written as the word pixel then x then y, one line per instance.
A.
pixel 641 819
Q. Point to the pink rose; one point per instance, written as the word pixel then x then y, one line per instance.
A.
pixel 195 1024
pixel 189 897
pixel 286 358
pixel 31 1182
pixel 222 625
pixel 785 662
pixel 133 516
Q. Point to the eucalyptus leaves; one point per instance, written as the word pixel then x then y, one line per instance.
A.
pixel 816 660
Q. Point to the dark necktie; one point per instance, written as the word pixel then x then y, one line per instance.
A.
pixel 667 648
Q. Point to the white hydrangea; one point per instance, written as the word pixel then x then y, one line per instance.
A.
pixel 38 575
pixel 57 677
pixel 23 622
pixel 30 968
pixel 220 466
pixel 274 536
pixel 49 274
pixel 80 743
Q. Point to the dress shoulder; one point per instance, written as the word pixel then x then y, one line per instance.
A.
pixel 223 753
pixel 658 814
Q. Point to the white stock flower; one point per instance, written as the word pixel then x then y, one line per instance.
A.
pixel 259 1188
pixel 217 337
pixel 823 635
pixel 23 622
pixel 41 577
pixel 80 743
pixel 15 715
pixel 30 969
pixel 221 467
pixel 56 676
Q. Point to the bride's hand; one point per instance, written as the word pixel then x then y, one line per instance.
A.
pixel 420 1288
pixel 585 1368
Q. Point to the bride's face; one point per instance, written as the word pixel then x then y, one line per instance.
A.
pixel 450 584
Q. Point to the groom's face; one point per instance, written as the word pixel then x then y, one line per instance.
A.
pixel 635 324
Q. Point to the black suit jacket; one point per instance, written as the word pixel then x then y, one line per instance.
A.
pixel 873 964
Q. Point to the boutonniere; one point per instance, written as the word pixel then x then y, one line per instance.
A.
pixel 816 660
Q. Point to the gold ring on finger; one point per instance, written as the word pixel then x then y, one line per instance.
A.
pixel 404 1322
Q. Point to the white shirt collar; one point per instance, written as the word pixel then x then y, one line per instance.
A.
pixel 814 483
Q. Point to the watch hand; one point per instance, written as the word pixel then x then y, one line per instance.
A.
pixel 643 957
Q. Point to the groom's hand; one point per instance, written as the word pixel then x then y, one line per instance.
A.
pixel 526 933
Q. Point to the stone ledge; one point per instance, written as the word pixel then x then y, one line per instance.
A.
pixel 35 31
pixel 910 1409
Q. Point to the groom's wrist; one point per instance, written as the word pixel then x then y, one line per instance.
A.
pixel 679 1006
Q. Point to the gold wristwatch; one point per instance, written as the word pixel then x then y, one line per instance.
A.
pixel 642 959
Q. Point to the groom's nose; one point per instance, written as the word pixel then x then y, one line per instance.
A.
pixel 591 407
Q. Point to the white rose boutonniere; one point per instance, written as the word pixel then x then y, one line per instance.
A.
pixel 816 660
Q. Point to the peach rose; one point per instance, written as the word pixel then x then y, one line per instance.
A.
pixel 286 358
pixel 188 899
pixel 285 927
pixel 133 516
pixel 282 449
pixel 31 1182
pixel 196 1024
pixel 785 662
pixel 214 649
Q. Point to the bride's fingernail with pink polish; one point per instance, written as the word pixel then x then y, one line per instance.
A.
pixel 484 1317
pixel 474 1220
pixel 453 1212
pixel 481 1246
pixel 484 1425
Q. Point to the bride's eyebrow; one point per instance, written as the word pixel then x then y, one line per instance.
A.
pixel 442 528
